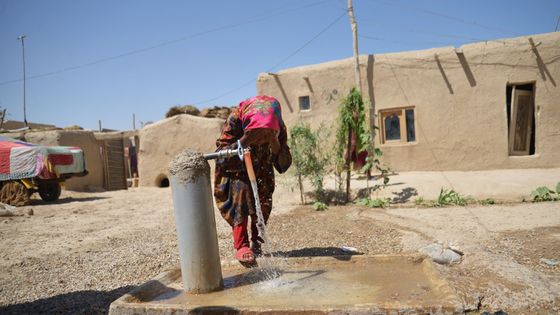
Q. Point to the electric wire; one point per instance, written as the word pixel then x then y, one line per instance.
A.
pixel 400 41
pixel 259 18
pixel 278 64
pixel 469 39
pixel 445 16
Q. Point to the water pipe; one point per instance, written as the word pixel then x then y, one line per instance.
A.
pixel 227 153
pixel 195 222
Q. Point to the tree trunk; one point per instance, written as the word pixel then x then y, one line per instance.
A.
pixel 301 189
pixel 347 164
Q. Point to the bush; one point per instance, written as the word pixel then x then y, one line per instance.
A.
pixel 374 203
pixel 487 201
pixel 308 158
pixel 450 197
pixel 544 193
pixel 319 206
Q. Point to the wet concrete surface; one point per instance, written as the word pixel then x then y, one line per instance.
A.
pixel 349 284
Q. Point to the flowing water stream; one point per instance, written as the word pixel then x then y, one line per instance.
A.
pixel 271 268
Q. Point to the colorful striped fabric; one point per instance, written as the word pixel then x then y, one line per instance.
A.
pixel 20 160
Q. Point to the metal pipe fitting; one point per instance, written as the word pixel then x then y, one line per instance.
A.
pixel 227 153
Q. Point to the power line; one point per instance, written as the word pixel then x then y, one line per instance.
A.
pixel 308 42
pixel 421 31
pixel 261 17
pixel 446 16
pixel 400 41
pixel 432 33
pixel 295 52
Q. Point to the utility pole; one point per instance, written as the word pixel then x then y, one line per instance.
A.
pixel 358 82
pixel 3 118
pixel 21 38
pixel 355 40
pixel 557 23
pixel 133 121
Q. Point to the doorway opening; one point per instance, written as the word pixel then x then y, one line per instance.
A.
pixel 520 108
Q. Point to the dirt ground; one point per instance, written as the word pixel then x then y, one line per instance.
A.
pixel 88 249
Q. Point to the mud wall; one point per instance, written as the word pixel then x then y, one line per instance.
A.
pixel 162 141
pixel 77 138
pixel 459 98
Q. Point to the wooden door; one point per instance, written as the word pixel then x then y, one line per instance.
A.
pixel 521 122
pixel 115 174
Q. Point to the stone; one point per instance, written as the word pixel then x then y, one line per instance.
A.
pixel 550 262
pixel 441 254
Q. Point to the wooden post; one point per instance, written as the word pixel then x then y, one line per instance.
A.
pixel 358 82
pixel 3 117
pixel 354 26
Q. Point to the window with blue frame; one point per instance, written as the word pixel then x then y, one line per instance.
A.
pixel 397 125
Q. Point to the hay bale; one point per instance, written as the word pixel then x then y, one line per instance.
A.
pixel 216 112
pixel 186 109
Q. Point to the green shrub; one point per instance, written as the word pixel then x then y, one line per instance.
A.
pixel 544 193
pixel 487 201
pixel 375 202
pixel 308 157
pixel 319 206
pixel 450 197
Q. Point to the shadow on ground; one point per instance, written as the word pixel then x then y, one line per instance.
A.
pixel 37 202
pixel 404 195
pixel 79 302
pixel 335 252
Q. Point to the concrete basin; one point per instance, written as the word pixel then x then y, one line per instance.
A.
pixel 311 285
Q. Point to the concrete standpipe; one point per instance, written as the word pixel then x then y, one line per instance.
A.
pixel 195 221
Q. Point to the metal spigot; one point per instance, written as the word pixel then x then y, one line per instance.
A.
pixel 227 153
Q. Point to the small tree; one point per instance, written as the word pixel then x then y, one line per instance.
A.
pixel 308 159
pixel 352 123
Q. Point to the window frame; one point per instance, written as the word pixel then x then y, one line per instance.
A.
pixel 401 113
pixel 299 103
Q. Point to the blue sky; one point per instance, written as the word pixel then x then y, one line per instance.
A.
pixel 105 59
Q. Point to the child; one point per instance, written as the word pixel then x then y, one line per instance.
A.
pixel 257 123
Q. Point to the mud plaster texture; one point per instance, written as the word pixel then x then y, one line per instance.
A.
pixel 162 141
pixel 188 165
pixel 459 100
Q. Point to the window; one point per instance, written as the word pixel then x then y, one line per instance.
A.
pixel 397 125
pixel 520 108
pixel 304 103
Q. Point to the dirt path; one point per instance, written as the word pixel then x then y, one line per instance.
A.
pixel 503 246
pixel 80 254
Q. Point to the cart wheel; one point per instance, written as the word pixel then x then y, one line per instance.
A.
pixel 49 190
pixel 15 193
